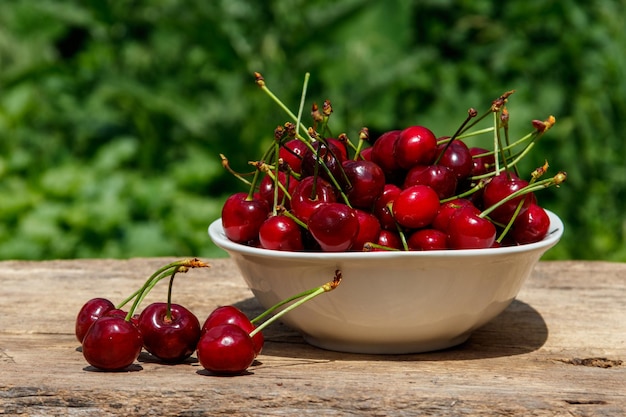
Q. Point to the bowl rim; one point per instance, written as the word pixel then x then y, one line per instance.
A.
pixel 217 235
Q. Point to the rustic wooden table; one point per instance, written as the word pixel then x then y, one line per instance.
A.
pixel 559 349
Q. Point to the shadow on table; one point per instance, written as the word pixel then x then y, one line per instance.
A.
pixel 517 330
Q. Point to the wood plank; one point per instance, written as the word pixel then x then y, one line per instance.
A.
pixel 560 349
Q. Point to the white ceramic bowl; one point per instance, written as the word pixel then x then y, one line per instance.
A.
pixel 390 302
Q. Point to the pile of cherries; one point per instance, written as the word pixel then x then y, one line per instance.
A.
pixel 406 190
pixel 227 343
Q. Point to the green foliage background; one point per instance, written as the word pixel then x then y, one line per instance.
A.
pixel 113 113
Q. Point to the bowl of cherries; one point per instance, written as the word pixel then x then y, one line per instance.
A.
pixel 434 235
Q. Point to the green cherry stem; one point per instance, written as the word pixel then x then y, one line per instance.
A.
pixel 302 298
pixel 170 287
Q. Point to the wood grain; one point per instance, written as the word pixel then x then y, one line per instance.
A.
pixel 558 350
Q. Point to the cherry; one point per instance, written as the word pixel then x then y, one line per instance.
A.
pixel 447 209
pixel 389 239
pixel 383 155
pixel 427 239
pixel 267 185
pixel 467 230
pixel 291 153
pixel 334 226
pixel 171 339
pixel 369 229
pixel 458 158
pixel 381 209
pixel 91 311
pixel 112 343
pixel 226 349
pixel 416 145
pixel 366 154
pixel 281 233
pixel 481 164
pixel 327 154
pixel 232 315
pixel 339 146
pixel 242 217
pixel 309 194
pixel 416 206
pixel 440 178
pixel 531 226
pixel 500 187
pixel 367 182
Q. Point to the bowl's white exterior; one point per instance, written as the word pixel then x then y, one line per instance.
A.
pixel 390 302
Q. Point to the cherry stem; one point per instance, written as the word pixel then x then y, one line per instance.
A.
pixel 370 246
pixel 471 113
pixel 170 286
pixel 160 274
pixel 308 295
pixel 302 99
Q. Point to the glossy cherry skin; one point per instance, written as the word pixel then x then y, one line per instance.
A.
pixel 324 154
pixel 416 207
pixel 427 239
pixel 500 187
pixel 447 209
pixel 466 230
pixel 531 226
pixel 291 153
pixel 91 311
pixel 369 229
pixel 458 158
pixel 281 233
pixel 170 340
pixel 381 208
pixel 309 194
pixel 416 145
pixel 267 186
pixel 367 181
pixel 481 164
pixel 389 239
pixel 112 344
pixel 232 315
pixel 438 177
pixel 242 217
pixel 226 349
pixel 383 155
pixel 334 226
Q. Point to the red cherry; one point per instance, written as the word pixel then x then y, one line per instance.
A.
pixel 427 239
pixel 481 164
pixel 334 226
pixel 326 154
pixel 366 154
pixel 381 209
pixel 266 189
pixel 112 344
pixel 531 226
pixel 383 155
pixel 416 207
pixel 281 233
pixel 91 311
pixel 500 187
pixel 367 182
pixel 291 153
pixel 467 230
pixel 389 239
pixel 458 158
pixel 232 315
pixel 242 217
pixel 339 146
pixel 440 178
pixel 309 194
pixel 170 340
pixel 416 145
pixel 226 349
pixel 447 209
pixel 369 229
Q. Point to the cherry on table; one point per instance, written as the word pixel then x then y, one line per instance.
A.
pixel 232 315
pixel 226 349
pixel 172 339
pixel 112 343
pixel 91 311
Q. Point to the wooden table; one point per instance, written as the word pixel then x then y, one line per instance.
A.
pixel 559 350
